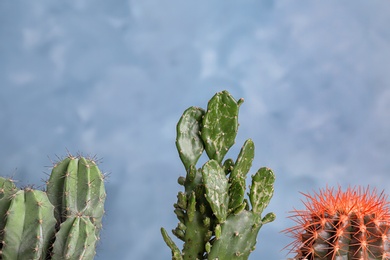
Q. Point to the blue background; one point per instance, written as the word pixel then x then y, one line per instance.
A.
pixel 112 78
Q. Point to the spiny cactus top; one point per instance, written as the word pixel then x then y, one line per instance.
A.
pixel 62 222
pixel 215 218
pixel 338 225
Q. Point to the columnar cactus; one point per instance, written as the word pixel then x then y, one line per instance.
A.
pixel 76 188
pixel 215 218
pixel 62 222
pixel 7 191
pixel 338 225
pixel 29 226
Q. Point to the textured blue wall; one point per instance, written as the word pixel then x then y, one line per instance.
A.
pixel 112 78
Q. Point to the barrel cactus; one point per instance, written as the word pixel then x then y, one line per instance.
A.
pixel 337 225
pixel 216 220
pixel 61 222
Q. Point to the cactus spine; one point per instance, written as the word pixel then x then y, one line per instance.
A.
pixel 215 218
pixel 338 225
pixel 62 222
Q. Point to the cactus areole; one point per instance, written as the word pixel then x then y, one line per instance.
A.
pixel 216 219
pixel 337 225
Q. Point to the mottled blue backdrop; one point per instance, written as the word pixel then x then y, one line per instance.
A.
pixel 111 78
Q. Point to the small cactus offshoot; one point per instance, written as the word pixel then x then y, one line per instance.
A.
pixel 337 225
pixel 62 222
pixel 216 220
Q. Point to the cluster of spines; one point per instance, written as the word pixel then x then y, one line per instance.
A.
pixel 215 219
pixel 62 222
pixel 338 225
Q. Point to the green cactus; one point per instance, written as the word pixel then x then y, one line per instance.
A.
pixel 75 239
pixel 76 187
pixel 29 226
pixel 62 222
pixel 219 125
pixel 188 141
pixel 215 219
pixel 7 191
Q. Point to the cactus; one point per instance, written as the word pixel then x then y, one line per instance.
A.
pixel 29 226
pixel 7 190
pixel 339 225
pixel 62 222
pixel 76 188
pixel 75 239
pixel 215 219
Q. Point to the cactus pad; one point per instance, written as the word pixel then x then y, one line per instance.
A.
pixel 238 237
pixel 188 141
pixel 219 125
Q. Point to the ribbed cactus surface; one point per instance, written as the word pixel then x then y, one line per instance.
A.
pixel 337 225
pixel 62 222
pixel 75 239
pixel 216 220
pixel 76 188
pixel 7 191
pixel 29 226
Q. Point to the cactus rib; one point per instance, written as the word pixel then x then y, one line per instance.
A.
pixel 76 239
pixel 30 218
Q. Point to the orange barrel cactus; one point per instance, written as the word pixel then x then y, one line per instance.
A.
pixel 337 225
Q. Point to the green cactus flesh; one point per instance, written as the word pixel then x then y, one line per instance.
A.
pixel 29 226
pixel 217 187
pixel 219 125
pixel 176 253
pixel 262 189
pixel 215 221
pixel 76 239
pixel 196 234
pixel 7 190
pixel 238 175
pixel 189 142
pixel 238 237
pixel 76 187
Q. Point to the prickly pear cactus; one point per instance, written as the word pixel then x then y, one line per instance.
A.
pixel 62 222
pixel 216 220
pixel 338 225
